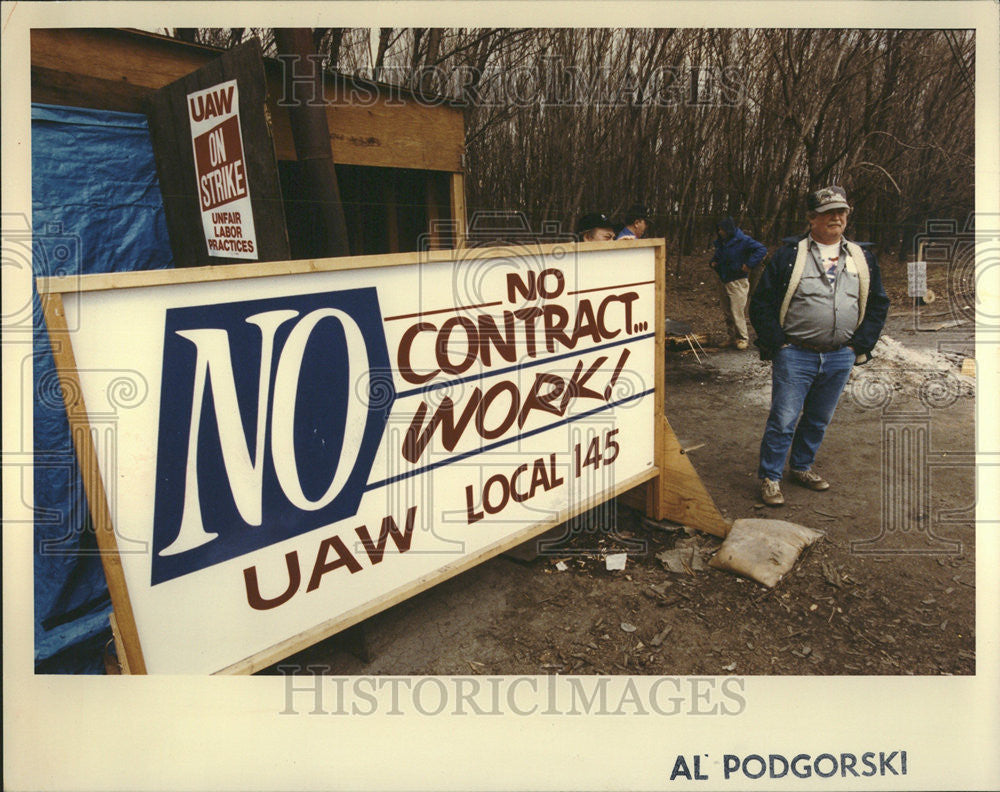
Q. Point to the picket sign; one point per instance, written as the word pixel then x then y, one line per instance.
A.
pixel 215 159
pixel 310 442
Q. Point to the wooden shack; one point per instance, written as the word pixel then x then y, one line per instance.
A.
pixel 398 159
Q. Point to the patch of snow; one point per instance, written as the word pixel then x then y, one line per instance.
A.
pixel 934 377
pixel 895 354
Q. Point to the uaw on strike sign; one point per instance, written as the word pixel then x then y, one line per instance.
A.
pixel 312 445
pixel 220 168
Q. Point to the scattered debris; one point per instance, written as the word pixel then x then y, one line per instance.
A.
pixel 657 639
pixel 615 561
pixel 661 525
pixel 730 667
pixel 629 628
pixel 561 566
pixel 946 325
pixel 682 559
pixel 832 575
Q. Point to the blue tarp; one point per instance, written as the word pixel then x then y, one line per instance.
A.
pixel 96 207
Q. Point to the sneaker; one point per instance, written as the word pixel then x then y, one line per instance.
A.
pixel 770 492
pixel 810 480
pixel 741 344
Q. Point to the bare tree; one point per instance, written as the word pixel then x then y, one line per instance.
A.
pixel 697 123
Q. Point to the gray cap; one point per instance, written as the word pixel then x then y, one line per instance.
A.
pixel 827 199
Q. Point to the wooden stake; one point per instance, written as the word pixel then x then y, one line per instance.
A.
pixel 123 665
pixel 457 189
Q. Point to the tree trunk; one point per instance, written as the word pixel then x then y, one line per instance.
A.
pixel 311 135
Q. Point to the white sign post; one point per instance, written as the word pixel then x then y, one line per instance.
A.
pixel 324 439
pixel 916 278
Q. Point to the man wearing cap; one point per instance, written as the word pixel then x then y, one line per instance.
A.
pixel 735 255
pixel 595 227
pixel 636 223
pixel 818 310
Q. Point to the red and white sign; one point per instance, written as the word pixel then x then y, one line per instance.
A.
pixel 220 168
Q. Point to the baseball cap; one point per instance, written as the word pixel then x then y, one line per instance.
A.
pixel 638 212
pixel 827 199
pixel 594 220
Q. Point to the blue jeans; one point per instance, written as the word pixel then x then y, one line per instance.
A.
pixel 802 383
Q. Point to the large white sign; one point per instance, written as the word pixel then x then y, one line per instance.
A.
pixel 220 168
pixel 316 446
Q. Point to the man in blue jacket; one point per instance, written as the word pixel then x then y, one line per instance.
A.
pixel 818 310
pixel 636 223
pixel 735 255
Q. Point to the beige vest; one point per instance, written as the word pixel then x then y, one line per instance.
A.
pixel 855 263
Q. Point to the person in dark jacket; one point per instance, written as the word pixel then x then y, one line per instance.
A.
pixel 735 255
pixel 818 310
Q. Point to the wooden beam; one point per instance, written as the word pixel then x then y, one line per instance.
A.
pixel 681 496
pixel 653 507
pixel 55 87
pixel 433 214
pixel 457 191
pixel 378 130
pixel 147 62
pixel 123 665
pixel 107 542
pixel 126 280
pixel 311 137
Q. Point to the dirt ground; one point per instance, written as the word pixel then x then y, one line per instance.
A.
pixel 889 589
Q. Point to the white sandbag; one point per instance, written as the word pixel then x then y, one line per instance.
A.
pixel 763 550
